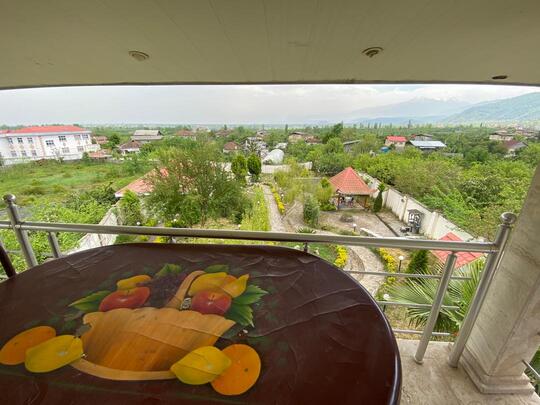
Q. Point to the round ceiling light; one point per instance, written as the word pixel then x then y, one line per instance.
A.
pixel 500 77
pixel 371 52
pixel 138 55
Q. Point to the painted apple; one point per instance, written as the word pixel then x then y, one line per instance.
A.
pixel 211 302
pixel 132 298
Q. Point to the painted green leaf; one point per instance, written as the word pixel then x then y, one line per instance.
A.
pixel 169 268
pixel 241 314
pixel 251 295
pixel 91 302
pixel 216 268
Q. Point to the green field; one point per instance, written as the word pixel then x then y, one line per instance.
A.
pixel 56 181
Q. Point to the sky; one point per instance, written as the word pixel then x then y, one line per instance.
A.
pixel 233 104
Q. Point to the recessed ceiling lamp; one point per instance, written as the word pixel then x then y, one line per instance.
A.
pixel 138 55
pixel 371 52
pixel 500 77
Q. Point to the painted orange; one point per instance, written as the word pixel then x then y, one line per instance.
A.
pixel 14 351
pixel 243 372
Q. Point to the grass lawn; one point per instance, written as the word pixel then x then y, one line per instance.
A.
pixel 56 181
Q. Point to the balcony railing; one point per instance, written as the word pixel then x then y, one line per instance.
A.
pixel 494 251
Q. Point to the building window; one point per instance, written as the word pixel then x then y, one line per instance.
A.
pixel 20 140
pixel 65 150
pixel 10 140
pixel 30 140
pixel 62 138
pixel 77 137
pixel 13 153
pixel 34 153
pixel 23 153
pixel 49 142
pixel 85 136
pixel 80 149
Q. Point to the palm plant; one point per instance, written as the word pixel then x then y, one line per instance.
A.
pixel 422 291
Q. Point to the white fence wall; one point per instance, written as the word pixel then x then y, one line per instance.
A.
pixel 93 240
pixel 433 225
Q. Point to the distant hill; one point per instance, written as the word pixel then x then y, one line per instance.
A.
pixel 519 109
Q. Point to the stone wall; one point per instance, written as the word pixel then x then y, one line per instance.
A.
pixel 433 225
pixel 93 240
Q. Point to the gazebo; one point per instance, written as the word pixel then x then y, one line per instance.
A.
pixel 350 188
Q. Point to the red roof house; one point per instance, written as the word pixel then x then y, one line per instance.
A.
pixel 348 182
pixel 396 138
pixel 141 186
pixel 463 258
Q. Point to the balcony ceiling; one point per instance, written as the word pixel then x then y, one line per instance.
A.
pixel 81 42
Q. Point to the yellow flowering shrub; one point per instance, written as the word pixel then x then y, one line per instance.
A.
pixel 341 259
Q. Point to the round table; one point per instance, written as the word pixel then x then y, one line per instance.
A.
pixel 320 336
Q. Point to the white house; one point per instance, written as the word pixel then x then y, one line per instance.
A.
pixel 66 142
pixel 398 141
pixel 146 135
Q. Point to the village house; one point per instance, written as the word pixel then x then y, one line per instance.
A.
pixel 427 146
pixel 147 135
pixel 100 155
pixel 421 137
pixel 255 144
pixel 67 142
pixel 186 134
pixel 130 147
pixel 398 141
pixel 501 135
pixel 100 139
pixel 141 186
pixel 512 147
pixel 231 147
pixel 223 133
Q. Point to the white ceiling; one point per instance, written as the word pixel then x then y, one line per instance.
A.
pixel 68 42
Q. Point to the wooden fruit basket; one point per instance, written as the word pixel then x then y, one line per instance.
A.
pixel 143 343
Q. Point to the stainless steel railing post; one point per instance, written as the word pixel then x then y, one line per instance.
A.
pixel 55 246
pixel 22 236
pixel 435 308
pixel 492 263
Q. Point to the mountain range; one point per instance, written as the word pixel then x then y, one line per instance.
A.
pixel 521 109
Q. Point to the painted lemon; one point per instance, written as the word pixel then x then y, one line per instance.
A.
pixel 201 366
pixel 129 283
pixel 209 281
pixel 53 353
pixel 237 287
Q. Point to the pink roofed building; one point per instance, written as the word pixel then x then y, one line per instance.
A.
pixel 141 186
pixel 463 258
pixel 398 141
pixel 67 142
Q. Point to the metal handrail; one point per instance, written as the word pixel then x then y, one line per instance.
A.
pixel 493 249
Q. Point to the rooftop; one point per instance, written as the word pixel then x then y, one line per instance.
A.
pixel 47 129
pixel 428 144
pixel 396 138
pixel 463 258
pixel 349 182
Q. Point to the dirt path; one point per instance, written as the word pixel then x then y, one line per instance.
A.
pixel 360 258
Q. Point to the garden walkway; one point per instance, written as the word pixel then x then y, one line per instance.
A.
pixel 360 258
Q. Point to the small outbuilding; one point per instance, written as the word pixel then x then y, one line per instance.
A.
pixel 350 189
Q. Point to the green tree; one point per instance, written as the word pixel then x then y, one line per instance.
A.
pixel 239 167
pixel 194 179
pixel 311 212
pixel 129 209
pixel 114 139
pixel 324 192
pixel 377 205
pixel 334 132
pixel 530 154
pixel 418 263
pixel 254 166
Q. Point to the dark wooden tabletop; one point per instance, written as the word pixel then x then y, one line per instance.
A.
pixel 320 336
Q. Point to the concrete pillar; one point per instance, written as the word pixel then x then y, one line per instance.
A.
pixel 507 330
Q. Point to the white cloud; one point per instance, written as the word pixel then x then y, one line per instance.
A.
pixel 222 104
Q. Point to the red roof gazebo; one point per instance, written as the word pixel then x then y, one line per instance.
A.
pixel 347 184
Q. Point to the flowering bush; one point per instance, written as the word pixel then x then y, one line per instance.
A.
pixel 279 203
pixel 341 258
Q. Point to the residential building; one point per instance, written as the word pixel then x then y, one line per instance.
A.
pixel 223 133
pixel 130 147
pixel 100 139
pixel 103 154
pixel 255 144
pixel 421 137
pixel 141 186
pixel 186 134
pixel 398 141
pixel 298 136
pixel 231 147
pixel 67 142
pixel 513 146
pixel 147 135
pixel 501 135
pixel 427 146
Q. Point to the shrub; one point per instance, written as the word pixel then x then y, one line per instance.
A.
pixel 254 166
pixel 341 259
pixel 377 205
pixel 279 203
pixel 390 265
pixel 130 209
pixel 239 167
pixel 419 262
pixel 311 212
pixel 37 190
